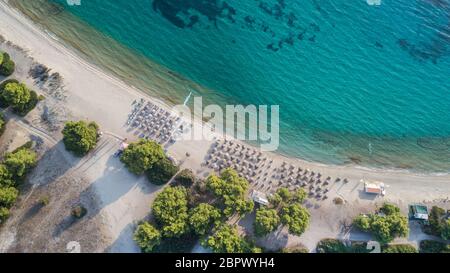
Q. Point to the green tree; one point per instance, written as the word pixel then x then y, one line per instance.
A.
pixel 232 190
pixel 6 179
pixel 147 237
pixel 267 220
pixel 16 94
pixel 7 66
pixel 140 156
pixel 386 226
pixel 445 232
pixel 171 211
pixel 20 162
pixel 80 137
pixel 4 214
pixel 1 57
pixel 203 217
pixel 161 171
pixel 8 196
pixel 227 240
pixel 296 217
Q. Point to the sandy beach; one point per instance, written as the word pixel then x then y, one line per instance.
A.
pixel 124 199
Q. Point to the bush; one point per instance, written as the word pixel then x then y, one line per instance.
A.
pixel 185 178
pixel 2 124
pixel 147 237
pixel 429 246
pixel 296 249
pixel 8 196
pixel 16 95
pixel 24 109
pixel 20 162
pixel 438 223
pixel 331 246
pixel 171 211
pixel 80 137
pixel 161 171
pixel 6 179
pixel 44 201
pixel 7 66
pixel 79 212
pixel 140 156
pixel 4 214
pixel 405 248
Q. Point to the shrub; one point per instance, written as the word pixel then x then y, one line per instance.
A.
pixel 3 103
pixel 1 57
pixel 4 214
pixel 44 201
pixel 404 248
pixel 8 196
pixel 7 66
pixel 16 95
pixel 161 171
pixel 171 211
pixel 185 178
pixel 20 162
pixel 331 246
pixel 429 246
pixel 202 218
pixel 296 249
pixel 147 237
pixel 80 137
pixel 6 179
pixel 24 109
pixel 267 220
pixel 140 156
pixel 79 212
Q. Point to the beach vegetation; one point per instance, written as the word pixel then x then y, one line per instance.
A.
pixel 140 156
pixel 266 221
pixel 6 178
pixel 147 237
pixel 226 239
pixel 7 65
pixel 331 245
pixel 80 137
pixel 401 248
pixel 162 171
pixel 19 162
pixel 170 209
pixel 4 214
pixel 430 246
pixel 295 249
pixel 385 225
pixel 185 178
pixel 232 190
pixel 44 200
pixel 2 124
pixel 79 212
pixel 8 196
pixel 439 224
pixel 203 217
pixel 296 218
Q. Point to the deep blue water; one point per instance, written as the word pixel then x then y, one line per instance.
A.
pixel 354 81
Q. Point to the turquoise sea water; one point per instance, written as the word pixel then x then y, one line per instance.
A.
pixel 355 83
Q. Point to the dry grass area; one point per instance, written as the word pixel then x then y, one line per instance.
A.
pixel 34 227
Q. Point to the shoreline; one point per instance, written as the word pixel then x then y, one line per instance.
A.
pixel 95 95
pixel 81 59
pixel 60 46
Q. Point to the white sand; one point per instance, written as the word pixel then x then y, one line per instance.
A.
pixel 94 95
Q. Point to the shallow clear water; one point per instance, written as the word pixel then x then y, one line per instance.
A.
pixel 355 83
